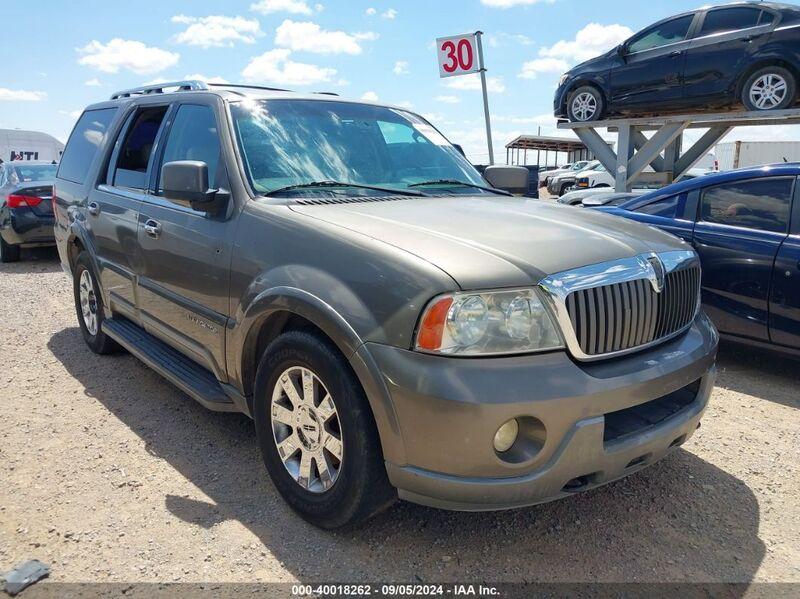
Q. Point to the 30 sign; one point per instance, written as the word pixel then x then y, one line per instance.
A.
pixel 458 55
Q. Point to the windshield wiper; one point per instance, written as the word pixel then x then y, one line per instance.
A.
pixel 323 184
pixel 462 183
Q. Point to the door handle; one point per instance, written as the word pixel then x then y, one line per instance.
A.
pixel 152 228
pixel 676 53
pixel 93 208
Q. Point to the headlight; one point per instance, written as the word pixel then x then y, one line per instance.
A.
pixel 487 323
pixel 563 79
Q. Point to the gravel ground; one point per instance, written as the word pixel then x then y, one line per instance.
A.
pixel 109 473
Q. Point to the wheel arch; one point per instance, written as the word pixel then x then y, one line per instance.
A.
pixel 581 82
pixel 282 309
pixel 762 63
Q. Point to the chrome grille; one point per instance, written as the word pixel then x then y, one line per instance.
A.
pixel 629 314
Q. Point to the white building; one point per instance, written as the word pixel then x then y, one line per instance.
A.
pixel 16 144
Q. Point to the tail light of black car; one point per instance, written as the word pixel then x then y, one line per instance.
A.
pixel 22 201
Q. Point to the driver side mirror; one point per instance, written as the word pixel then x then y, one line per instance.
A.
pixel 622 51
pixel 186 182
pixel 513 179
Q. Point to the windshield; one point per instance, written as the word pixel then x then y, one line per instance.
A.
pixel 27 173
pixel 284 143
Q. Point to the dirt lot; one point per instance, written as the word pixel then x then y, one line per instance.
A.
pixel 109 473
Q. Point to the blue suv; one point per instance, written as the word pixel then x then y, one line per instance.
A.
pixel 745 225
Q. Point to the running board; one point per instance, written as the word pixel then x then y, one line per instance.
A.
pixel 187 375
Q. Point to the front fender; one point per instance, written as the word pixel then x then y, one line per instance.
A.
pixel 243 344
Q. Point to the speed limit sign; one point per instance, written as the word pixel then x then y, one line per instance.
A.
pixel 458 55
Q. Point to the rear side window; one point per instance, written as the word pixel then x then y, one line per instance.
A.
pixel 671 207
pixel 194 136
pixel 760 204
pixel 135 151
pixel 84 143
pixel 730 19
pixel 666 33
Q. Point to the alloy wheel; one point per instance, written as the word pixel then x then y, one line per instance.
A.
pixel 306 429
pixel 88 302
pixel 584 106
pixel 768 91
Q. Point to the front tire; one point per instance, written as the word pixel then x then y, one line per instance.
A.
pixel 316 433
pixel 770 88
pixel 89 307
pixel 8 252
pixel 585 104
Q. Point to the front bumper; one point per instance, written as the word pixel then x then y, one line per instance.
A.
pixel 448 410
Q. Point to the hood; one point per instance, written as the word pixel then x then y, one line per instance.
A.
pixel 494 242
pixel 602 62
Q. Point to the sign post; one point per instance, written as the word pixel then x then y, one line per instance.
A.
pixel 463 55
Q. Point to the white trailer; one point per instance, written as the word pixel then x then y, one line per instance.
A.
pixel 741 154
pixel 16 144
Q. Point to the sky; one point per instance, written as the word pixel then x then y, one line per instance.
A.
pixel 62 56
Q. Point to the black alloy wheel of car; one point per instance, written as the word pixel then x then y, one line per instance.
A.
pixel 770 88
pixel 318 438
pixel 8 253
pixel 585 104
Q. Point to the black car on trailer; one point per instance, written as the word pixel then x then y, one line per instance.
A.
pixel 742 53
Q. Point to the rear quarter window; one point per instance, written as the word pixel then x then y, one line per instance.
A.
pixel 84 143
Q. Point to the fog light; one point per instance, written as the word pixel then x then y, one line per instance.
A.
pixel 506 435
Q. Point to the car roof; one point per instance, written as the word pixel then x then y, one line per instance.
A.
pixel 769 170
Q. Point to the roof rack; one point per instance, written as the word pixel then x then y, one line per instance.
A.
pixel 242 86
pixel 270 89
pixel 194 85
pixel 158 88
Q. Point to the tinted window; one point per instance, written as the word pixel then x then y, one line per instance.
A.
pixel 84 143
pixel 669 207
pixel 194 136
pixel 730 19
pixel 134 154
pixel 761 204
pixel 661 35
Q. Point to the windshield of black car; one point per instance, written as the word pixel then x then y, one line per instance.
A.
pixel 285 142
pixel 26 173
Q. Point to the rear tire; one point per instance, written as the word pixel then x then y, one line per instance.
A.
pixel 8 252
pixel 585 104
pixel 348 489
pixel 770 88
pixel 89 307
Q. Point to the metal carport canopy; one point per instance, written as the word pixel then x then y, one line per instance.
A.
pixel 542 143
